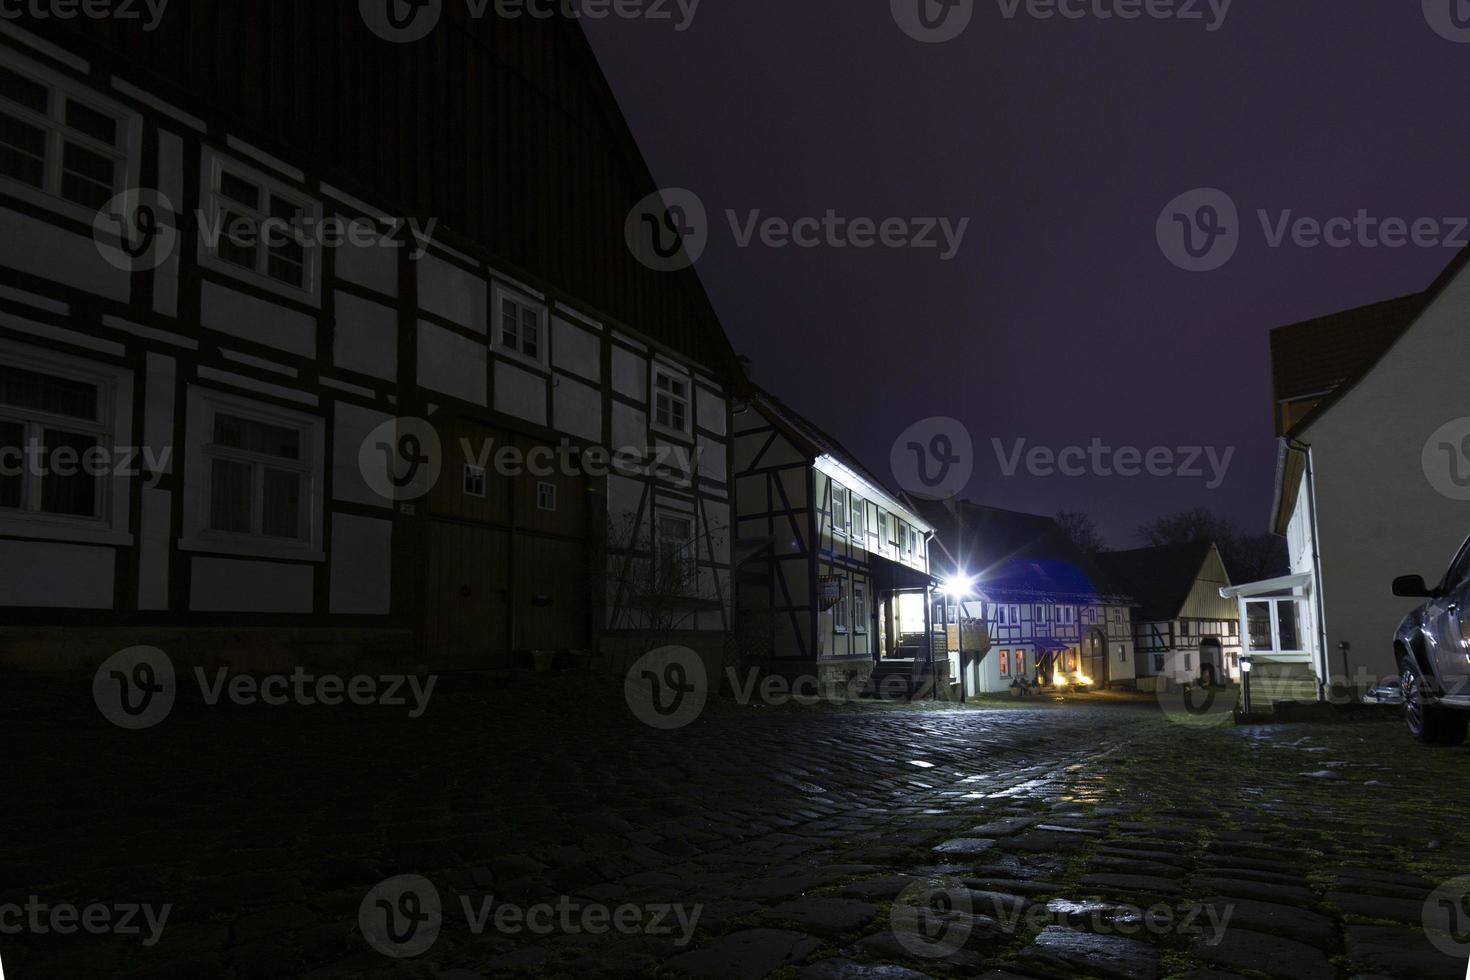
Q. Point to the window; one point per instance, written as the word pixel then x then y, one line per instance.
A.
pixel 839 509
pixel 1041 614
pixel 254 478
pixel 1015 615
pixel 675 555
pixel 1158 663
pixel 670 400
pixel 1001 615
pixel 839 614
pixel 60 140
pixel 1005 663
pixel 860 608
pixel 859 521
pixel 887 528
pixel 474 481
pixel 1184 629
pixel 520 324
pixel 1122 654
pixel 256 225
pixel 1187 661
pixel 58 416
pixel 545 496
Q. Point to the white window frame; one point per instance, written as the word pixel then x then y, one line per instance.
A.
pixel 840 498
pixel 474 481
pixel 859 607
pixel 841 614
pixel 114 430
pixel 128 154
pixel 502 294
pixel 661 369
pixel 547 491
pixel 857 515
pixel 203 405
pixel 214 164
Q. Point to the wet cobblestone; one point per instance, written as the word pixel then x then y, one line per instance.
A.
pixel 1079 839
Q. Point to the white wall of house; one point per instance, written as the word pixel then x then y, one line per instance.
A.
pixel 1379 515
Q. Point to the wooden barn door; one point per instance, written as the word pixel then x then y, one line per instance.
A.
pixel 468 607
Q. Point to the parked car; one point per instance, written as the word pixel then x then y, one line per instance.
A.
pixel 1432 648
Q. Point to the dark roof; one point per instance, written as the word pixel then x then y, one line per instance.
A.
pixel 1389 333
pixel 1315 356
pixel 813 438
pixel 1014 554
pixel 1159 578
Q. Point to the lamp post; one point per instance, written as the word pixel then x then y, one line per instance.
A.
pixel 959 586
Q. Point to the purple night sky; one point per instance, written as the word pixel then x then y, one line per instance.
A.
pixel 1060 320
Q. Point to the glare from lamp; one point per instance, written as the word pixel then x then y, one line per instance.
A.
pixel 959 585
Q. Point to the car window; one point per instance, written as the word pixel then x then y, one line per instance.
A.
pixel 1459 569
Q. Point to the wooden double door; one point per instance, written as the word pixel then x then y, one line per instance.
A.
pixel 508 555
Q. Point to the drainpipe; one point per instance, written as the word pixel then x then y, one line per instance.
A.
pixel 1317 600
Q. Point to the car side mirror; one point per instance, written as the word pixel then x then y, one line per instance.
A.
pixel 1412 587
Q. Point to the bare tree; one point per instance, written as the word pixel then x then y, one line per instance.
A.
pixel 1080 529
pixel 1247 557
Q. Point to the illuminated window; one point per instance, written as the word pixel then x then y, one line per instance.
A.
pixel 1005 663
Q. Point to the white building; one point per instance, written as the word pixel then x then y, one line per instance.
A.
pixel 1184 630
pixel 837 566
pixel 1038 610
pixel 1373 480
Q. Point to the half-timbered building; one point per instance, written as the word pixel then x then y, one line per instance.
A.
pixel 1027 605
pixel 837 566
pixel 1184 630
pixel 419 403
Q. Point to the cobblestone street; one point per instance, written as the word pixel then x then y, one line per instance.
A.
pixel 1087 838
